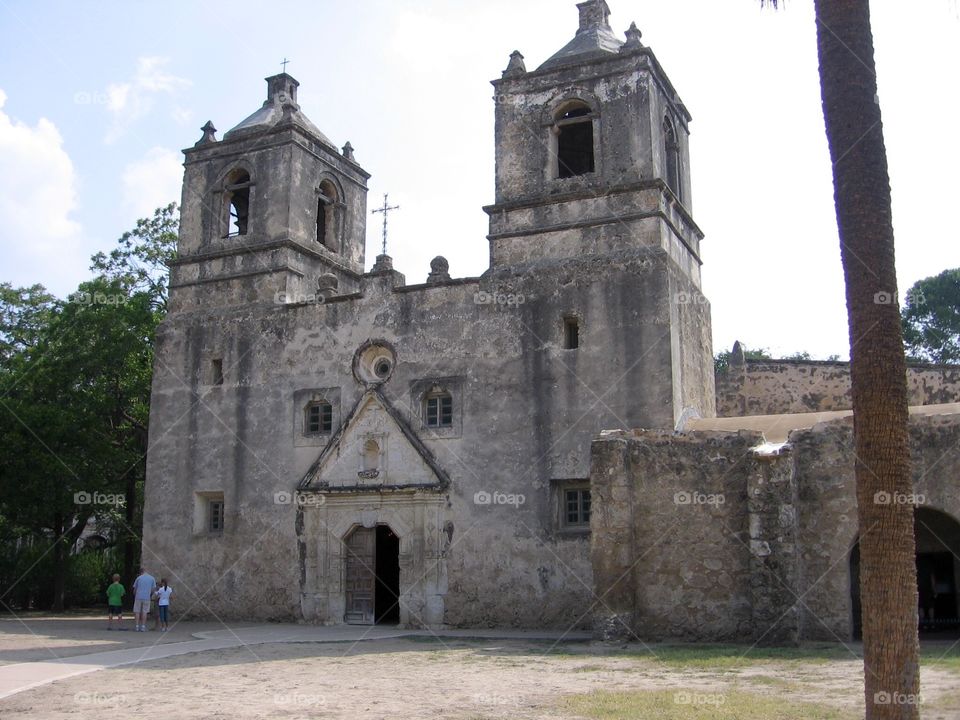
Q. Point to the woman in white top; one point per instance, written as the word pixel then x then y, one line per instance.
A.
pixel 163 594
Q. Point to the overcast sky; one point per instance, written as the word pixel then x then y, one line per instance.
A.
pixel 97 99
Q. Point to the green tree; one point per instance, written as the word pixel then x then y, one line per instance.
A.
pixel 854 128
pixel 75 382
pixel 931 318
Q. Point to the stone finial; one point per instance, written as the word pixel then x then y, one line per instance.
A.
pixel 737 356
pixel 327 285
pixel 209 134
pixel 516 66
pixel 348 151
pixel 633 39
pixel 384 263
pixel 594 14
pixel 439 270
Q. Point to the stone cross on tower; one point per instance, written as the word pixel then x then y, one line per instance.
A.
pixel 386 211
pixel 284 64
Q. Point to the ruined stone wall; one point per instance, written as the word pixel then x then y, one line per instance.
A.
pixel 774 387
pixel 687 530
pixel 771 564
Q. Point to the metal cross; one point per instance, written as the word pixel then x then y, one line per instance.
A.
pixel 386 211
pixel 284 63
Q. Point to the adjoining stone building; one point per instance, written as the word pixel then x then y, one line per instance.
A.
pixel 324 438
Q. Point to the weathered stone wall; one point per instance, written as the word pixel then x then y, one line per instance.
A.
pixel 774 387
pixel 686 534
pixel 773 562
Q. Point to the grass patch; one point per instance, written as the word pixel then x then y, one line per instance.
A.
pixel 669 705
pixel 727 657
pixel 941 657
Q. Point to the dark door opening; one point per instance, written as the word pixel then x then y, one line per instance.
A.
pixel 387 596
pixel 938 592
pixel 938 549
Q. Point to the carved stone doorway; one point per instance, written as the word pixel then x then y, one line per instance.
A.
pixel 372 578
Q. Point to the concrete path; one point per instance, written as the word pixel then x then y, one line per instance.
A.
pixel 19 677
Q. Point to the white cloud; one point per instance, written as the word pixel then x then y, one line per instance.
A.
pixel 39 240
pixel 153 181
pixel 129 101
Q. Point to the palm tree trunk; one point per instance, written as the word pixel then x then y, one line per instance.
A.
pixel 888 583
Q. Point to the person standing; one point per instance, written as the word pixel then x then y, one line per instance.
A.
pixel 115 593
pixel 163 603
pixel 143 588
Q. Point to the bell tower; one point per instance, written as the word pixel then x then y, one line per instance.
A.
pixel 592 153
pixel 268 209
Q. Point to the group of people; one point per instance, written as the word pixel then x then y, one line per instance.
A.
pixel 145 592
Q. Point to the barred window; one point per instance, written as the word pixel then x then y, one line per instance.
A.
pixel 215 516
pixel 439 410
pixel 319 418
pixel 577 508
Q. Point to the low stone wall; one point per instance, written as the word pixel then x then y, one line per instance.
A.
pixel 695 536
pixel 774 387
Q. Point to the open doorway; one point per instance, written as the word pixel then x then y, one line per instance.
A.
pixel 372 576
pixel 386 601
pixel 938 570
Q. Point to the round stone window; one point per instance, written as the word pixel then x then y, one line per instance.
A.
pixel 374 362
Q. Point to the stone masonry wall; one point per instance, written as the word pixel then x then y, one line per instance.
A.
pixel 772 562
pixel 774 387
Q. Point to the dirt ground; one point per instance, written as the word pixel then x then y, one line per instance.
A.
pixel 412 677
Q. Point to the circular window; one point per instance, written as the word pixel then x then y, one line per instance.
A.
pixel 382 368
pixel 374 362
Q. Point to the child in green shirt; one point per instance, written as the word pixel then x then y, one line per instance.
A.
pixel 115 593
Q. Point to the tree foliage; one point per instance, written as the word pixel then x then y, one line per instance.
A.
pixel 931 318
pixel 75 378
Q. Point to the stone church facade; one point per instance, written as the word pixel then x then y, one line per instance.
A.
pixel 326 440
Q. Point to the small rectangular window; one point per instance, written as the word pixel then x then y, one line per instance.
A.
pixel 215 516
pixel 576 510
pixel 439 411
pixel 571 333
pixel 216 372
pixel 319 418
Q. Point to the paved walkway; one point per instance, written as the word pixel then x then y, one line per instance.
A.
pixel 19 677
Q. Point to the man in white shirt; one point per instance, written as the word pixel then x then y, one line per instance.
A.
pixel 143 588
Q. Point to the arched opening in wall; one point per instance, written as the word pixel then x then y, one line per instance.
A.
pixel 937 538
pixel 574 130
pixel 372 576
pixel 327 203
pixel 237 203
pixel 671 149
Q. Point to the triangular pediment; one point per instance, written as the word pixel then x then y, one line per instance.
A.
pixel 374 449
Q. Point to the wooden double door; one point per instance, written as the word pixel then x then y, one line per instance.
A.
pixel 372 580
